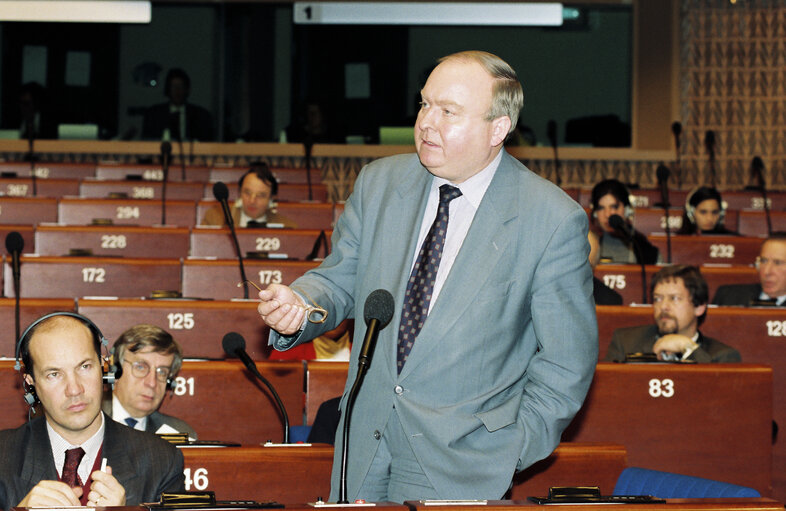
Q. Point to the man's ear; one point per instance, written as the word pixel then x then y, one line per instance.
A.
pixel 500 127
pixel 29 379
pixel 701 309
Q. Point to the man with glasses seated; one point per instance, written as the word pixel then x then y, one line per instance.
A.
pixel 771 289
pixel 150 360
pixel 679 297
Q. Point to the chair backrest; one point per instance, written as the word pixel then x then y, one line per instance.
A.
pixel 666 485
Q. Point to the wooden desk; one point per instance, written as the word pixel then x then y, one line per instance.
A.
pixel 27 210
pixel 28 236
pixel 11 400
pixel 734 504
pixel 754 223
pixel 30 309
pixel 652 220
pixel 711 420
pixel 175 190
pixel 640 198
pixel 288 243
pixel 284 474
pixel 152 172
pixel 77 211
pixel 221 400
pixel 754 200
pixel 306 215
pixel 230 175
pixel 626 278
pixel 324 380
pixel 53 188
pixel 50 170
pixel 203 278
pixel 113 240
pixel 287 192
pixel 197 325
pixel 698 250
pixel 60 277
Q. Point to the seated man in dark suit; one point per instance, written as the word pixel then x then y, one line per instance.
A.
pixel 771 289
pixel 73 455
pixel 679 294
pixel 177 119
pixel 150 359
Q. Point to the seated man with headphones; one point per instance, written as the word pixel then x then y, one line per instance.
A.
pixel 148 360
pixel 257 187
pixel 73 455
pixel 619 243
pixel 704 213
pixel 771 288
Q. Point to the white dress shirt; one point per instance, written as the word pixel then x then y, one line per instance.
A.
pixel 91 447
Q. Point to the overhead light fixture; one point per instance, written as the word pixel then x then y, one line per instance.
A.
pixel 76 11
pixel 428 13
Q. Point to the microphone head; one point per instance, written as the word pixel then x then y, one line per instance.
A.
pixel 379 305
pixel 757 165
pixel 663 173
pixel 14 242
pixel 220 191
pixel 232 343
pixel 617 222
pixel 676 128
pixel 166 148
pixel 709 138
pixel 551 131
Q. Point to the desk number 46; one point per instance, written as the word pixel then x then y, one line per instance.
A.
pixel 199 482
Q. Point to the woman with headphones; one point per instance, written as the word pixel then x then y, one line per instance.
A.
pixel 704 213
pixel 622 244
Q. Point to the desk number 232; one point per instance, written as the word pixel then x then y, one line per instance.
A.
pixel 661 388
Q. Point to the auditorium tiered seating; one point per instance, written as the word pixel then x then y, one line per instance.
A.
pixel 113 240
pixel 305 215
pixel 285 243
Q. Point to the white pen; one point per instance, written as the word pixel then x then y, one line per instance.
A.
pixel 103 465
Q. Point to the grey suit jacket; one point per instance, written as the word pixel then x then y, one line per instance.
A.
pixel 507 353
pixel 144 464
pixel 155 420
pixel 737 294
pixel 641 339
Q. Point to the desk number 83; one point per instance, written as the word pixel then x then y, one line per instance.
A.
pixel 661 388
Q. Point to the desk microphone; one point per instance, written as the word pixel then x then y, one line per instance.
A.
pixel 166 155
pixel 377 312
pixel 14 243
pixel 663 173
pixel 757 169
pixel 625 228
pixel 221 193
pixel 235 346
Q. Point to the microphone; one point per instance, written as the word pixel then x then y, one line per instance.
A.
pixel 757 169
pixel 676 130
pixel 308 145
pixel 551 133
pixel 14 244
pixel 174 133
pixel 625 228
pixel 663 173
pixel 166 154
pixel 377 312
pixel 235 346
pixel 221 193
pixel 30 135
pixel 709 144
pixel 621 226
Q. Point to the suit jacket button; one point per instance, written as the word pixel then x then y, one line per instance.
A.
pixel 398 389
pixel 377 435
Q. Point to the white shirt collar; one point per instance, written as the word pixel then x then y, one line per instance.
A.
pixel 474 188
pixel 120 414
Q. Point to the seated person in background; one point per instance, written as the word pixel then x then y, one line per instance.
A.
pixel 771 289
pixel 257 187
pixel 603 294
pixel 150 360
pixel 55 460
pixel 177 119
pixel 704 213
pixel 679 295
pixel 609 198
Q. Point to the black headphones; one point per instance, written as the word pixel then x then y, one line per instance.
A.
pixel 109 376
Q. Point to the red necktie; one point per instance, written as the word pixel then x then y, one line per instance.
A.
pixel 72 459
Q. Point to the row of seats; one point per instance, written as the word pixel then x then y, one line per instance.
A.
pixel 651 197
pixel 135 189
pixel 152 172
pixel 146 212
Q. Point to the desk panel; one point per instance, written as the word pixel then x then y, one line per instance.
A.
pixel 61 277
pixel 77 211
pixel 287 192
pixel 221 400
pixel 11 400
pixel 113 240
pixel 27 210
pixel 284 474
pixel 731 504
pixel 28 236
pixel 754 200
pixel 52 188
pixel 230 175
pixel 640 198
pixel 288 243
pixel 152 172
pixel 626 278
pixel 203 278
pixel 30 309
pixel 50 170
pixel 652 220
pixel 324 380
pixel 305 215
pixel 197 325
pixel 98 189
pixel 699 250
pixel 754 223
pixel 711 420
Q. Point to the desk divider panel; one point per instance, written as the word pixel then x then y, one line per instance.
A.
pixel 754 223
pixel 305 215
pixel 30 309
pixel 287 192
pixel 698 250
pixel 194 173
pixel 27 210
pixel 51 188
pixel 79 211
pixel 113 240
pixel 218 279
pixel 50 170
pixel 289 243
pixel 231 175
pixel 28 236
pixel 175 190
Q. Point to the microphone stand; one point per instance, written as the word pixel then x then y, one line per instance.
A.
pixel 663 181
pixel 676 129
pixel 308 145
pixel 709 142
pixel 166 153
pixel 31 156
pixel 551 129
pixel 231 224
pixel 758 167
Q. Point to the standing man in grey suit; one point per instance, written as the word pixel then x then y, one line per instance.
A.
pixel 679 297
pixel 150 358
pixel 57 460
pixel 494 338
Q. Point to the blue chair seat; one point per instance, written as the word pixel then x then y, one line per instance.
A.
pixel 667 485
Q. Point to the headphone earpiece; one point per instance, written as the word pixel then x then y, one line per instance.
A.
pixel 171 383
pixel 30 397
pixel 690 210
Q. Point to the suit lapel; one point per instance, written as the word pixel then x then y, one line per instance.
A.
pixel 486 240
pixel 39 463
pixel 115 450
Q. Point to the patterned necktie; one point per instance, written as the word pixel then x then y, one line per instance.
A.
pixel 421 281
pixel 131 422
pixel 72 459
